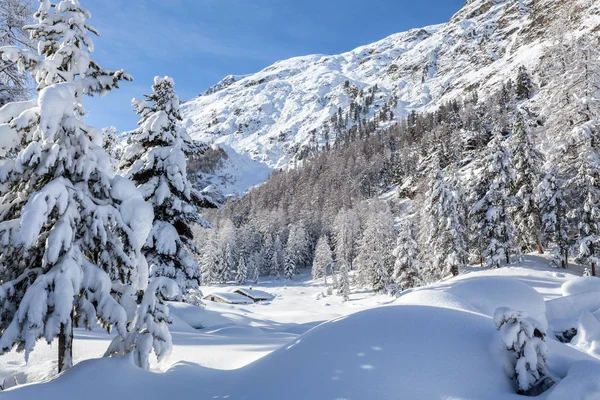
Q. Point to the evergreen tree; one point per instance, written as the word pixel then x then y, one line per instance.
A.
pixel 297 250
pixel 110 144
pixel 323 260
pixel 491 220
pixel 14 16
pixel 71 233
pixel 346 230
pixel 553 208
pixel 587 186
pixel 407 266
pixel 524 339
pixel 210 260
pixel 343 283
pixel 278 258
pixel 242 270
pixel 375 259
pixel 524 87
pixel 156 162
pixel 527 166
pixel 446 234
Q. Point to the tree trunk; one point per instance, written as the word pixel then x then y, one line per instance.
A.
pixel 593 269
pixel 65 345
pixel 540 249
pixel 566 260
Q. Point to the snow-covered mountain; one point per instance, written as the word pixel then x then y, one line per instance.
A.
pixel 272 114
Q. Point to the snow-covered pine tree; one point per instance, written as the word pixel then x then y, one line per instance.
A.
pixel 241 273
pixel 297 249
pixel 278 257
pixel 346 234
pixel 227 244
pixel 14 16
pixel 343 283
pixel 156 162
pixel 524 339
pixel 528 163
pixel 490 217
pixel 524 86
pixel 553 208
pixel 256 260
pixel 446 233
pixel 587 186
pixel 375 261
pixel 322 261
pixel 407 265
pixel 110 143
pixel 210 260
pixel 72 231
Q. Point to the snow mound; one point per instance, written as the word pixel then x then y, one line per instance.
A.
pixel 384 353
pixel 562 313
pixel 582 382
pixel 435 298
pixel 586 284
pixel 196 317
pixel 588 335
pixel 486 294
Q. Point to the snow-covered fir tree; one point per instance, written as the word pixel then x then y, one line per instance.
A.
pixel 110 143
pixel 278 257
pixel 296 250
pixel 528 163
pixel 322 261
pixel 407 267
pixel 71 231
pixel 227 245
pixel 586 183
pixel 156 162
pixel 375 260
pixel 343 283
pixel 14 79
pixel 524 339
pixel 524 85
pixel 490 216
pixel 210 262
pixel 241 273
pixel 346 231
pixel 446 230
pixel 553 209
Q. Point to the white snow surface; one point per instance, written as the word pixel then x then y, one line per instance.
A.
pixel 431 343
pixel 585 284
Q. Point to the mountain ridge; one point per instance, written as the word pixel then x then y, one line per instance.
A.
pixel 275 113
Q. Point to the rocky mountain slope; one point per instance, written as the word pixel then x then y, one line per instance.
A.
pixel 271 115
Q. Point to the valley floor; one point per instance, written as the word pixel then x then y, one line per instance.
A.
pixel 434 342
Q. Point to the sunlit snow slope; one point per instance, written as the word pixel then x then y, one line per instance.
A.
pixel 272 114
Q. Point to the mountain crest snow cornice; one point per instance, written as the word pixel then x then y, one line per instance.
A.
pixel 273 114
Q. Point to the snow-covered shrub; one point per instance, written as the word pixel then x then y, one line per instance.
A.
pixel 524 339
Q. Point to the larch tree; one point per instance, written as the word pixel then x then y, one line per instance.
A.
pixel 155 160
pixel 489 214
pixel 71 232
pixel 322 261
pixel 553 208
pixel 528 163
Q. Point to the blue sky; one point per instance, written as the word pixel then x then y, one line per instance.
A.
pixel 198 42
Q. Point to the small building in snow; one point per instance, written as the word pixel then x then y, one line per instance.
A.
pixel 228 298
pixel 255 295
